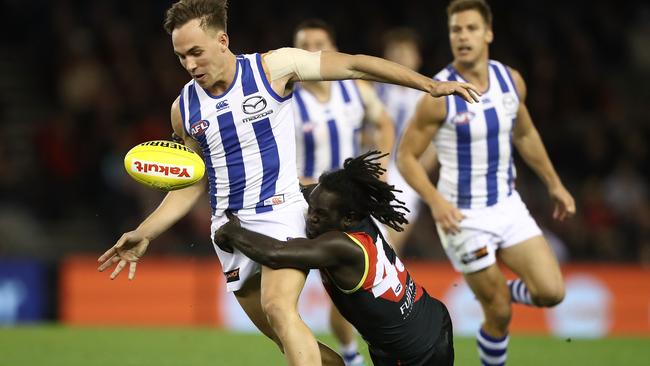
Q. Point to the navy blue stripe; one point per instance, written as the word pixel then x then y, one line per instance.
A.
pixel 491 338
pixel 511 177
pixel 195 115
pixel 181 106
pixel 267 85
pixel 490 351
pixel 247 77
pixel 356 143
pixel 492 121
pixel 310 145
pixel 381 91
pixel 234 160
pixel 511 80
pixel 270 161
pixel 310 155
pixel 344 92
pixel 463 152
pixel 334 144
pixel 502 81
pixel 304 114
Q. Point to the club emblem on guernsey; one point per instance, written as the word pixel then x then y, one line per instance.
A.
pixel 254 104
pixel 198 128
pixel 222 105
pixel 463 118
pixel 510 103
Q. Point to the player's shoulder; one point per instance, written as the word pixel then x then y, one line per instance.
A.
pixel 517 79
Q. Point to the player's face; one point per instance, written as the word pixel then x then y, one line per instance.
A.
pixel 404 53
pixel 313 39
pixel 323 215
pixel 469 36
pixel 201 52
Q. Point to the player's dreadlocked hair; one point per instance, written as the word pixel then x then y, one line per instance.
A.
pixel 361 191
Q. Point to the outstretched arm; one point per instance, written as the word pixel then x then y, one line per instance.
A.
pixel 288 65
pixel 328 250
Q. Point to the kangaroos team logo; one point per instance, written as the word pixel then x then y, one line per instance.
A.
pixel 254 104
pixel 463 118
pixel 198 128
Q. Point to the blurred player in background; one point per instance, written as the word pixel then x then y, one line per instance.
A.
pixel 478 212
pixel 329 115
pixel 402 45
pixel 236 110
pixel 329 118
pixel 402 324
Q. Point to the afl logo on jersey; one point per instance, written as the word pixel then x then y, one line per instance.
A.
pixel 307 127
pixel 463 118
pixel 254 104
pixel 198 128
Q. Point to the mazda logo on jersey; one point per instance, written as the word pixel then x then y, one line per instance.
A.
pixel 254 104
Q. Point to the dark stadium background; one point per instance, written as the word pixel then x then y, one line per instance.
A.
pixel 83 81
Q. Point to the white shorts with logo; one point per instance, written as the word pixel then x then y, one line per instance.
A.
pixel 485 230
pixel 284 222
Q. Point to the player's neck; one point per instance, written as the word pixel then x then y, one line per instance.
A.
pixel 227 76
pixel 475 72
pixel 321 90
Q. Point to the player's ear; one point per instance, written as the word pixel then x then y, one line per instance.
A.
pixel 224 40
pixel 489 35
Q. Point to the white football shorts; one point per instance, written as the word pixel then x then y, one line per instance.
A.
pixel 485 230
pixel 285 222
pixel 409 196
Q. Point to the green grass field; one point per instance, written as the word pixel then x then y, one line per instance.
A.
pixel 53 346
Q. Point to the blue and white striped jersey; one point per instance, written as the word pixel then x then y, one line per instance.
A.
pixel 327 133
pixel 400 103
pixel 474 143
pixel 247 138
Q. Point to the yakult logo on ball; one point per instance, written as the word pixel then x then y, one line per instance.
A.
pixel 162 170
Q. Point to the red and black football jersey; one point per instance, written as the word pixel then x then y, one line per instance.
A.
pixel 394 314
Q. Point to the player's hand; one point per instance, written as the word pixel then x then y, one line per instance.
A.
pixel 128 249
pixel 447 216
pixel 467 91
pixel 565 206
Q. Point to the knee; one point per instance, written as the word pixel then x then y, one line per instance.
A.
pixel 277 310
pixel 548 296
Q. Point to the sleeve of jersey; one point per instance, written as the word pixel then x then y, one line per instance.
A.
pixel 293 61
pixel 365 242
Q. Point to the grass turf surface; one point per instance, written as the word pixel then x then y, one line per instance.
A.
pixel 54 345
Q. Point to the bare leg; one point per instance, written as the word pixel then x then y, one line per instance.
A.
pixel 249 297
pixel 491 291
pixel 342 329
pixel 534 262
pixel 280 290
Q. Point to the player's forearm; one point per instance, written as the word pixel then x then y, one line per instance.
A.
pixel 534 154
pixel 335 66
pixel 174 206
pixel 259 247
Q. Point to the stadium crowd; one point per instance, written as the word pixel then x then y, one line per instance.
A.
pixel 82 82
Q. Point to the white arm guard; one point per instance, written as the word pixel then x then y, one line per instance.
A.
pixel 293 61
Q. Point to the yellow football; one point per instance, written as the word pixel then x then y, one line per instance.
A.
pixel 164 165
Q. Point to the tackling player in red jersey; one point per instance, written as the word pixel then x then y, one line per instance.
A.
pixel 367 282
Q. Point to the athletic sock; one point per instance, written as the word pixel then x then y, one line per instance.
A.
pixel 491 350
pixel 519 292
pixel 351 355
